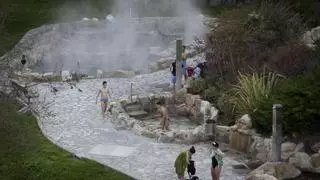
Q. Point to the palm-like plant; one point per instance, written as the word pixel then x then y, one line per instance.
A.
pixel 251 90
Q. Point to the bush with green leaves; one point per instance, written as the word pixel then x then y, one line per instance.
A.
pixel 211 94
pixel 197 86
pixel 245 39
pixel 299 96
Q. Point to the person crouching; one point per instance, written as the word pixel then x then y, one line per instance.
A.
pixel 182 161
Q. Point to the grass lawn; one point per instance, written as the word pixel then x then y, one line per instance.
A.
pixel 26 154
pixel 24 15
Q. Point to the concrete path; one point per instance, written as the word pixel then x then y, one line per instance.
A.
pixel 77 126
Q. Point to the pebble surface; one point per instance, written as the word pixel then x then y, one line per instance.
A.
pixel 76 125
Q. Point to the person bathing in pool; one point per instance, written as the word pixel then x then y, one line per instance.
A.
pixel 164 122
pixel 104 98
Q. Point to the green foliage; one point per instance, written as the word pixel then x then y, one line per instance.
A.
pixel 24 15
pixel 26 154
pixel 211 94
pixel 245 40
pixel 197 86
pixel 275 24
pixel 251 90
pixel 224 103
pixel 291 59
pixel 299 96
pixel 308 9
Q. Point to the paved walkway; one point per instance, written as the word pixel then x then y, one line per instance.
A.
pixel 78 127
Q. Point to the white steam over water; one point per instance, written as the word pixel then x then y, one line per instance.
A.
pixel 143 31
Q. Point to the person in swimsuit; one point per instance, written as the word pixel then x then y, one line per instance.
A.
pixel 164 122
pixel 182 162
pixel 104 93
pixel 217 162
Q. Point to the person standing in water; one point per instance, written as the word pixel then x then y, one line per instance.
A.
pixel 182 162
pixel 216 159
pixel 105 95
pixel 164 122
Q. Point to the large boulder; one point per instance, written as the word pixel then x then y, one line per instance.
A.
pixel 287 150
pixel 315 147
pixel 304 162
pixel 301 160
pixel 279 170
pixel 311 36
pixel 315 161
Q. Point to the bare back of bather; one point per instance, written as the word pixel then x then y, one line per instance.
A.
pixel 164 122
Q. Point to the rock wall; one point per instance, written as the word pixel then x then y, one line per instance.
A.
pixel 242 137
pixel 187 105
pixel 310 37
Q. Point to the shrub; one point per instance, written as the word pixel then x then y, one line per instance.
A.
pixel 225 105
pixel 299 96
pixel 308 9
pixel 211 94
pixel 277 23
pixel 197 86
pixel 245 43
pixel 250 90
pixel 291 59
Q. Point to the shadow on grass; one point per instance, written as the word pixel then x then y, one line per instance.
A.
pixel 26 154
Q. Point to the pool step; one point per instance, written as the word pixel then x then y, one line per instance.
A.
pixel 153 116
pixel 133 107
pixel 138 114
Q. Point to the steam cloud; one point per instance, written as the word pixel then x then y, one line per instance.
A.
pixel 143 31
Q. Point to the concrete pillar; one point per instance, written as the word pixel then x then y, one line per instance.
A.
pixel 276 132
pixel 178 84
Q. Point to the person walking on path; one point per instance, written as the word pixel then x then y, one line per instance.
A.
pixel 104 98
pixel 173 72
pixel 182 162
pixel 216 161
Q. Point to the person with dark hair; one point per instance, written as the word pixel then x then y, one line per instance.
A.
pixel 202 66
pixel 192 171
pixel 216 161
pixel 173 70
pixel 182 161
pixel 164 122
pixel 105 95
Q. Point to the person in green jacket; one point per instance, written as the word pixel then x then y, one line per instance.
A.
pixel 182 162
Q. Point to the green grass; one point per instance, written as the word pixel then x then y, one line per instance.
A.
pixel 26 154
pixel 24 15
pixel 215 11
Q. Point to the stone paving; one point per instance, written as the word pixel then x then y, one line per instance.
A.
pixel 77 126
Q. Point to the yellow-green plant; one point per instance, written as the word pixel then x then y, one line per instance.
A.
pixel 252 89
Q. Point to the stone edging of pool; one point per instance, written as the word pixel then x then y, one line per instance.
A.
pixel 183 103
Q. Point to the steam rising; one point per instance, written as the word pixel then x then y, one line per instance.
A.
pixel 143 31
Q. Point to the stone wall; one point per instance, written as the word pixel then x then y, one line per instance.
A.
pixel 310 37
pixel 242 137
pixel 184 105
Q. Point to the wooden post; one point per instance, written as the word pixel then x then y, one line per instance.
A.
pixel 276 132
pixel 178 65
